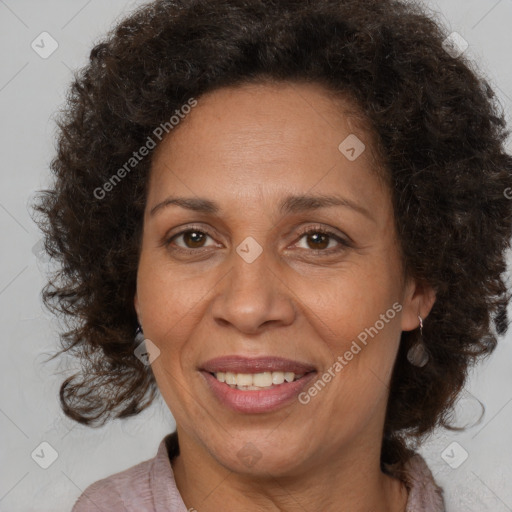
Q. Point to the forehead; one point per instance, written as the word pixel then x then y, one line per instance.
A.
pixel 258 141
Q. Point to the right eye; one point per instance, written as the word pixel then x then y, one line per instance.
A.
pixel 192 239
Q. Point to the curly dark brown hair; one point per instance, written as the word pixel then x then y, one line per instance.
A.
pixel 439 129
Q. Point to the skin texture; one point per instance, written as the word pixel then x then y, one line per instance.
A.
pixel 247 148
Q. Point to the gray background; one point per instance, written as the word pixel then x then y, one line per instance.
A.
pixel 32 89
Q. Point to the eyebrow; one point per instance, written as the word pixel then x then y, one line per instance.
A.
pixel 291 204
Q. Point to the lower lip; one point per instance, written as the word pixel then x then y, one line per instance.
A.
pixel 253 401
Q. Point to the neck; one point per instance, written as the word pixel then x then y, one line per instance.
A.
pixel 349 482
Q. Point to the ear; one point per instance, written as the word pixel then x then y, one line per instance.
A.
pixel 418 300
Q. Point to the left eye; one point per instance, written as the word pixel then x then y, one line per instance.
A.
pixel 320 240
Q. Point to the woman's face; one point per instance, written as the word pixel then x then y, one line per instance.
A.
pixel 230 271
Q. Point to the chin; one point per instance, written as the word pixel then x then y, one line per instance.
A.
pixel 257 457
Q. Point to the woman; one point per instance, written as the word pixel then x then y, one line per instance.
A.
pixel 299 209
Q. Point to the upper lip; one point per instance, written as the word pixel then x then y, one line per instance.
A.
pixel 240 364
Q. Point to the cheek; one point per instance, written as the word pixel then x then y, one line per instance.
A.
pixel 171 308
pixel 348 304
pixel 357 316
pixel 364 340
pixel 170 301
pixel 359 353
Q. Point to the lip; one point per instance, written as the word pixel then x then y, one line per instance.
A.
pixel 240 364
pixel 257 401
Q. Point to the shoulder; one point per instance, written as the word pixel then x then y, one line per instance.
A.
pixel 146 487
pixel 424 493
pixel 118 492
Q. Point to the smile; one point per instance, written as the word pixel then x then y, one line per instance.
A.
pixel 254 399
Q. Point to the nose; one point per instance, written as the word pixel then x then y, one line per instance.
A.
pixel 254 296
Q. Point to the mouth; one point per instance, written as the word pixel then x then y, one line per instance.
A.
pixel 256 385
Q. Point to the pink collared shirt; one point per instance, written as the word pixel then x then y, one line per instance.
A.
pixel 150 487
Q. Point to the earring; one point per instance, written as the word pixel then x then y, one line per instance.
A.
pixel 417 354
pixel 139 335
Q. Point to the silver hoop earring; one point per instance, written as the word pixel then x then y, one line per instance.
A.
pixel 417 354
pixel 139 335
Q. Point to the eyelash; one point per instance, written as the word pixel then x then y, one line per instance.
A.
pixel 310 230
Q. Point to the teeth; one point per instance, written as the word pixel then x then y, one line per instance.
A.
pixel 245 379
pixel 289 376
pixel 277 377
pixel 261 380
pixel 230 378
pixel 255 381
